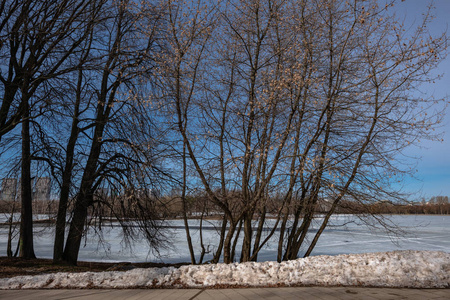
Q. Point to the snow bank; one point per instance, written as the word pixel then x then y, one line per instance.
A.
pixel 418 269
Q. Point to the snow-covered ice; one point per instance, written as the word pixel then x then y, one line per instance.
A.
pixel 417 269
pixel 345 235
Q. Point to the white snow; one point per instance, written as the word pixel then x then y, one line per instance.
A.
pixel 416 269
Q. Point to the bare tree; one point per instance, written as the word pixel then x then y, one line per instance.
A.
pixel 115 153
pixel 38 41
pixel 303 100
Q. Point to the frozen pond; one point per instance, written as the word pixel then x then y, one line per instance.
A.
pixel 347 235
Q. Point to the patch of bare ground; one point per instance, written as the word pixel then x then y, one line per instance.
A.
pixel 13 266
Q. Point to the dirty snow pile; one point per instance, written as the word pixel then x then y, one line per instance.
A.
pixel 418 269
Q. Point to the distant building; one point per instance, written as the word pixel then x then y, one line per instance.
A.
pixel 42 189
pixel 9 189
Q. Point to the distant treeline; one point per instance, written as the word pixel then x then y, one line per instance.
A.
pixel 171 207
pixel 390 208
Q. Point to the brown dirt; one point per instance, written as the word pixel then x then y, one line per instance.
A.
pixel 10 267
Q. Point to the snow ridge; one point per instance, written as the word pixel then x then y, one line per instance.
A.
pixel 415 269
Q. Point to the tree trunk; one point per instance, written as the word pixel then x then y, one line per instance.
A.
pixel 259 233
pixel 185 207
pixel 248 234
pixel 75 235
pixel 83 201
pixel 26 212
pixel 221 241
pixel 227 255
pixel 60 226
pixel 9 245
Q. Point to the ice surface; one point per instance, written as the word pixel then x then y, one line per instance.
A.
pixel 417 269
pixel 346 235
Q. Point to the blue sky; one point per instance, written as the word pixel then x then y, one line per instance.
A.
pixel 434 165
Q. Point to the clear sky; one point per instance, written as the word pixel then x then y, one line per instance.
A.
pixel 434 165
